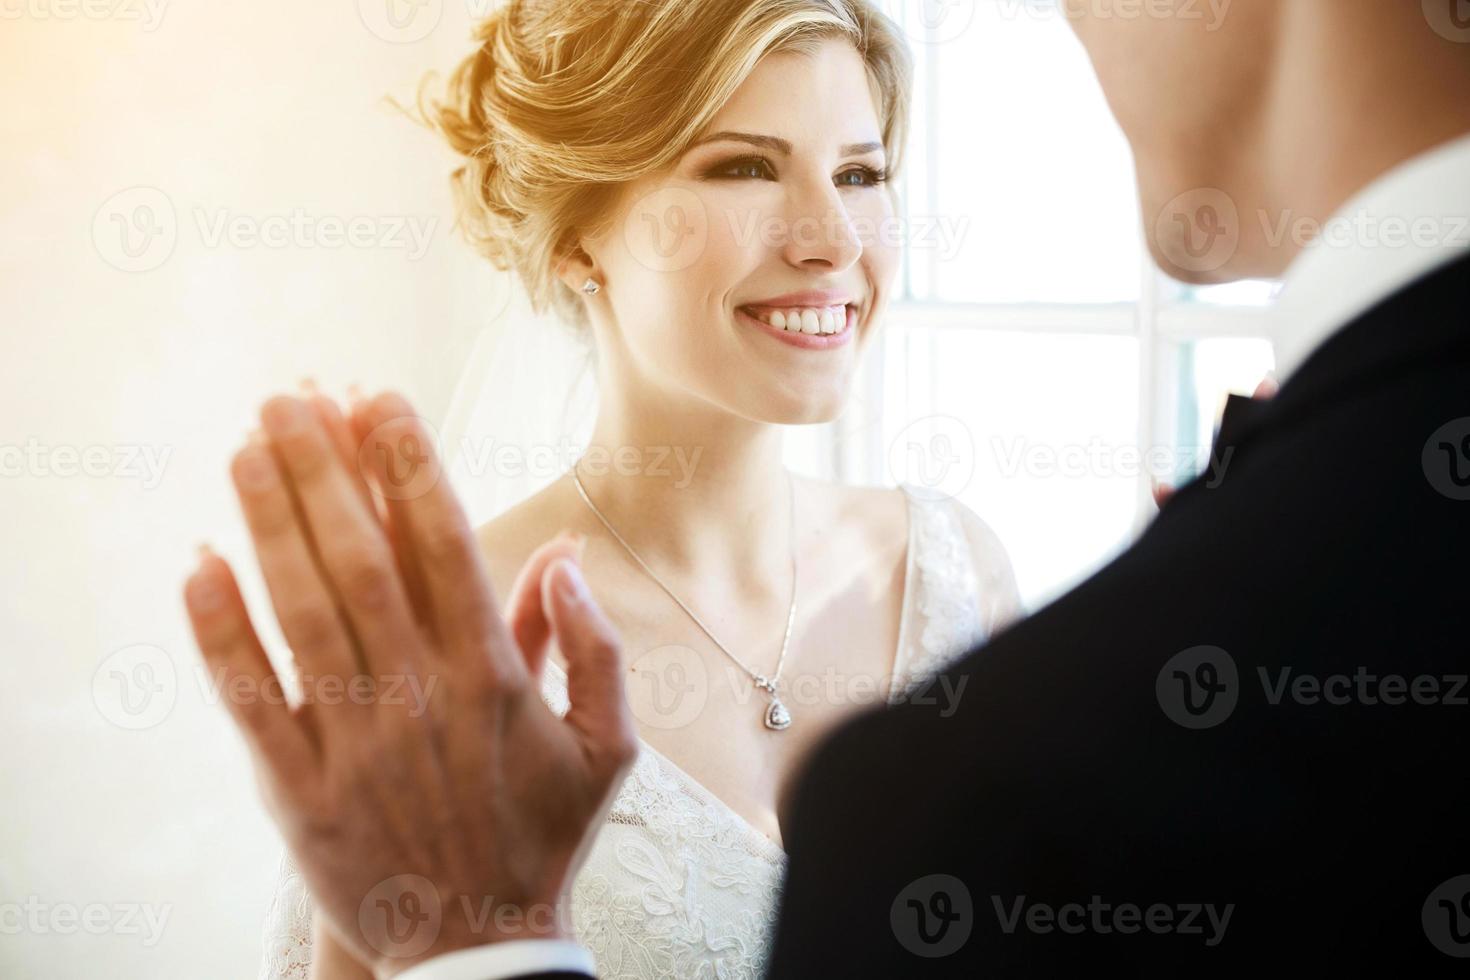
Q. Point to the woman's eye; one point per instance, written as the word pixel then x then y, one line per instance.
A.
pixel 866 177
pixel 747 168
pixel 758 168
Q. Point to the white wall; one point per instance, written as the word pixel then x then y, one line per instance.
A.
pixel 238 110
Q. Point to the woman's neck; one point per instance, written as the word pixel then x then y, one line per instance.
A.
pixel 699 493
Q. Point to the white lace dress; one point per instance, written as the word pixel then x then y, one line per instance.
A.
pixel 677 884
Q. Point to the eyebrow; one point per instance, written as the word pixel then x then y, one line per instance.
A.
pixel 778 144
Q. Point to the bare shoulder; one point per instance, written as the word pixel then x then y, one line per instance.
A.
pixel 507 539
pixel 985 544
pixel 875 519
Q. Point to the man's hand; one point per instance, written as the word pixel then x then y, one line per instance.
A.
pixel 1265 391
pixel 431 799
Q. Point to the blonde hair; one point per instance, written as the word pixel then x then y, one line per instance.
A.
pixel 565 100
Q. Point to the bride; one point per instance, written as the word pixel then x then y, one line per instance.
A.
pixel 694 186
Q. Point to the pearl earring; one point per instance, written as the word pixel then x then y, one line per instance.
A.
pixel 591 287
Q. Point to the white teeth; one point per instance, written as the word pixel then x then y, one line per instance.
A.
pixel 826 321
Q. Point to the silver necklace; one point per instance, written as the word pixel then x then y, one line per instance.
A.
pixel 777 718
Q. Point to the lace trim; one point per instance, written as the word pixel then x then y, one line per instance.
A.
pixel 689 891
pixel 944 605
pixel 286 939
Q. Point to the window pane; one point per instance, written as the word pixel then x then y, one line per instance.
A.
pixel 1213 370
pixel 1030 431
pixel 1031 176
pixel 1247 292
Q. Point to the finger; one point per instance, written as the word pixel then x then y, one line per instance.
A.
pixel 305 606
pixel 1161 492
pixel 229 645
pixel 529 621
pixel 349 542
pixel 408 566
pixel 407 471
pixel 342 438
pixel 599 707
pixel 1267 389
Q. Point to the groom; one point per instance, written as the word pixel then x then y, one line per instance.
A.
pixel 1243 745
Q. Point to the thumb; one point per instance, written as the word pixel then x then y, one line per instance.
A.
pixel 525 610
pixel 599 707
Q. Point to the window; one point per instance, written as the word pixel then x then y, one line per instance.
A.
pixel 1036 365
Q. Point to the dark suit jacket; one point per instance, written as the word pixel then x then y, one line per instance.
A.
pixel 1090 821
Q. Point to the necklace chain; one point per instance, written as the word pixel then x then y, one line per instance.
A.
pixel 777 717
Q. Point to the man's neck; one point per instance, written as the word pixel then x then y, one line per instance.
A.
pixel 1354 97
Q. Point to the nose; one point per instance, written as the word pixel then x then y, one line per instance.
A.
pixel 820 235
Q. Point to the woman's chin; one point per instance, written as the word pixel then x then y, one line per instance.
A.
pixel 807 409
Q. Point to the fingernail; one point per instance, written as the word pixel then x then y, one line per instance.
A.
pixel 204 594
pixel 284 416
pixel 577 539
pixel 569 581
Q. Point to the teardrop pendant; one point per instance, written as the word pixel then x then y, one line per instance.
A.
pixel 777 717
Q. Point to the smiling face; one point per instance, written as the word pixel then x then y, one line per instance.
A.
pixel 753 272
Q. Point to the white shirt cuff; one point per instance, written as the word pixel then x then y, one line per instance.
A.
pixel 513 958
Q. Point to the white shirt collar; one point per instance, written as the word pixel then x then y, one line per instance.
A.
pixel 1404 225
